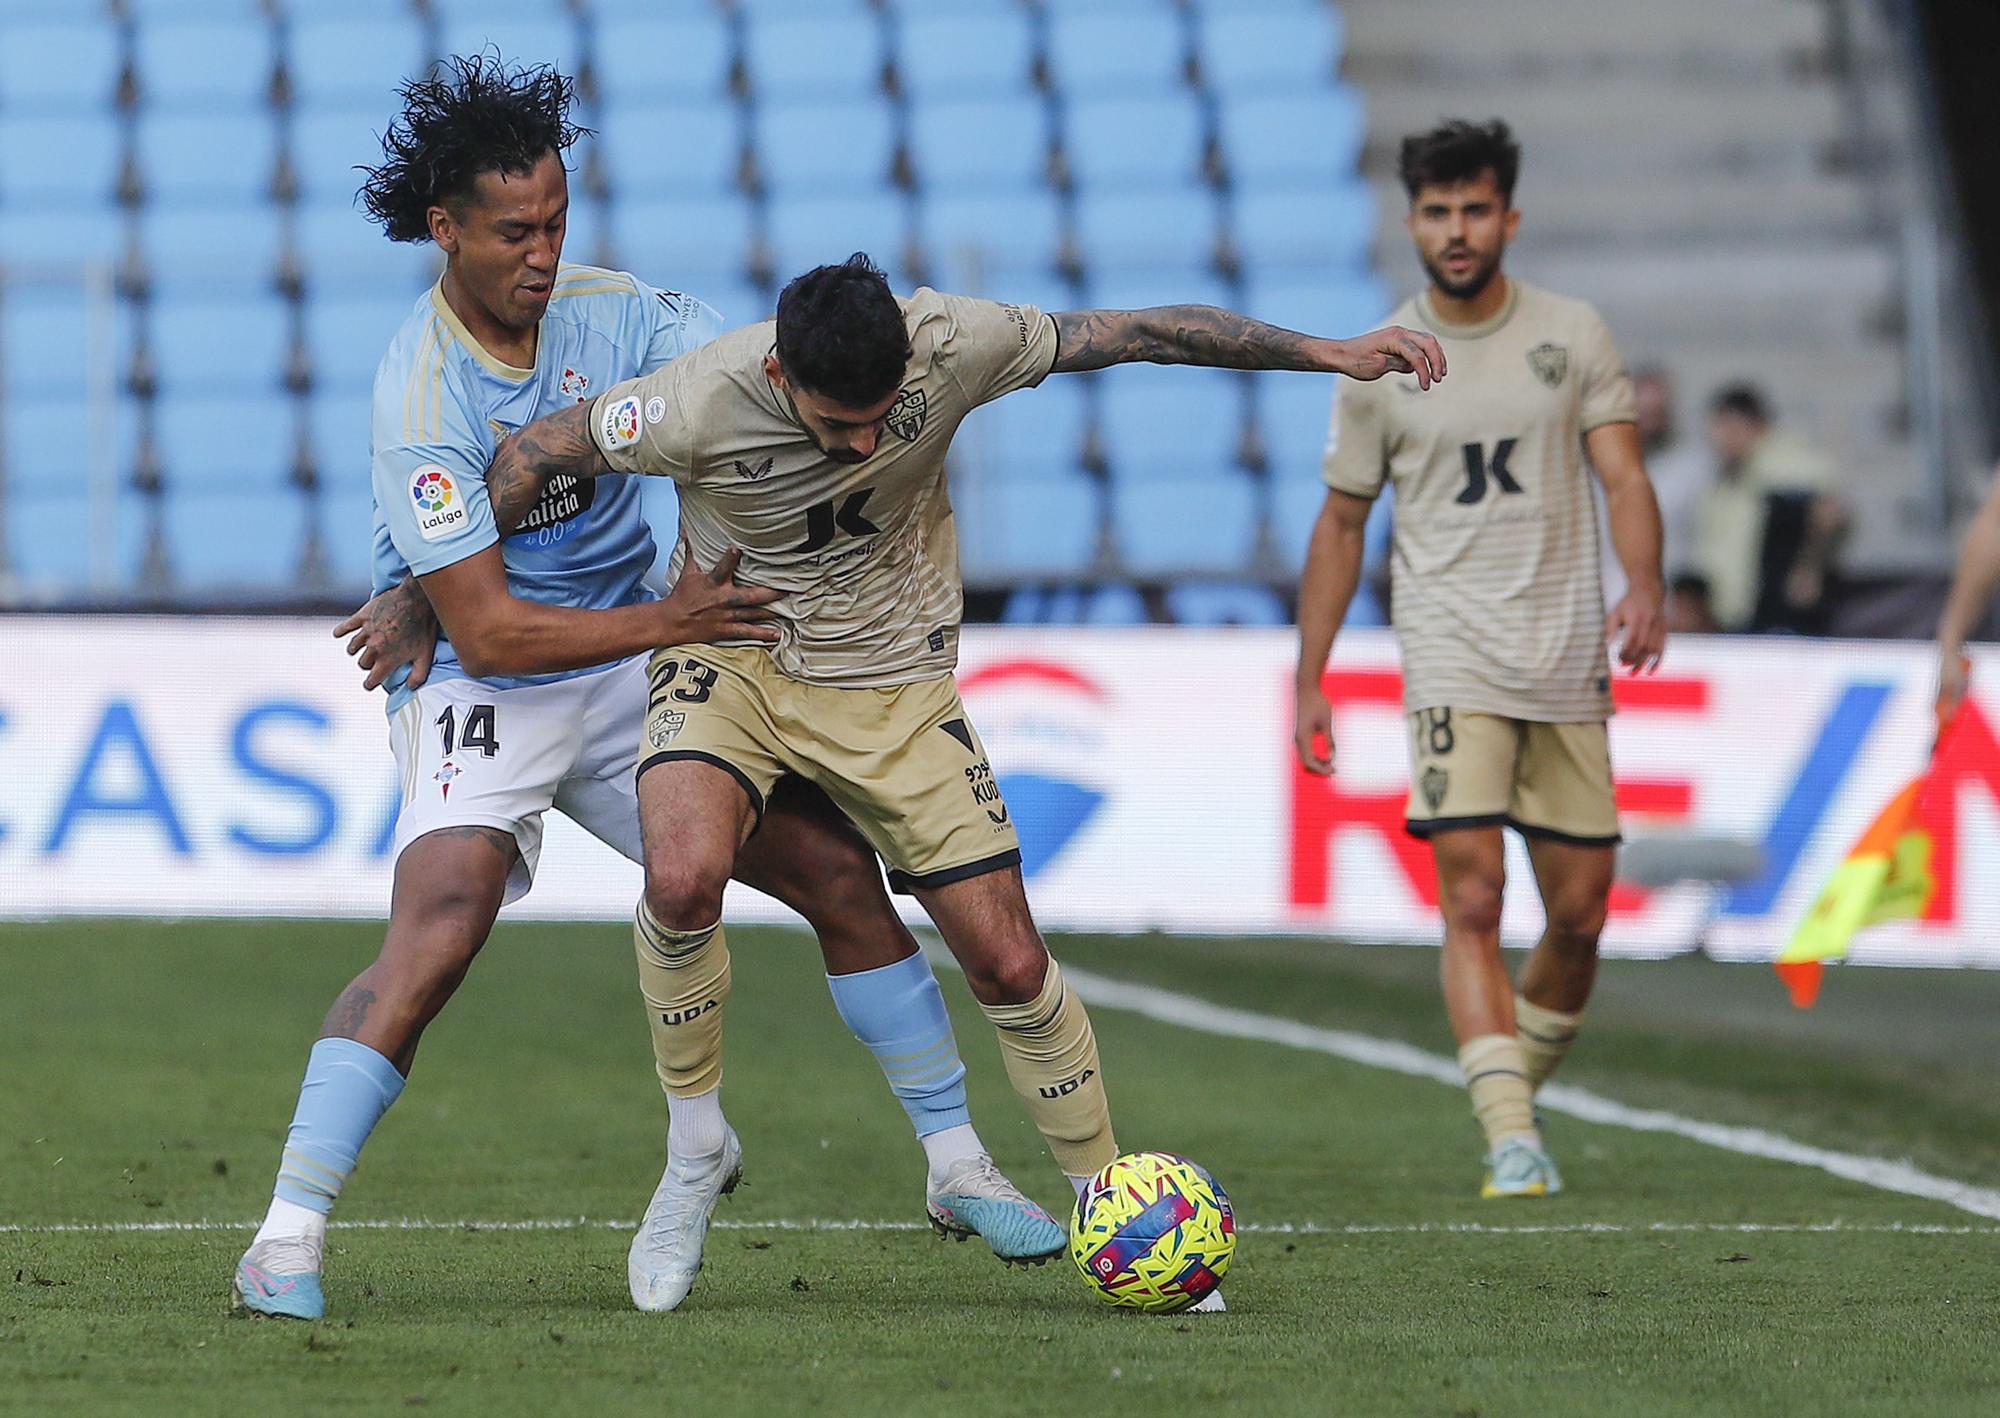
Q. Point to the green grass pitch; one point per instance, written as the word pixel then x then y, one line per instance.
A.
pixel 147 1072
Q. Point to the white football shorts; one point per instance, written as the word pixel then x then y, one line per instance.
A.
pixel 470 755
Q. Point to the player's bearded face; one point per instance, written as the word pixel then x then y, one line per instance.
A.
pixel 843 434
pixel 1462 231
pixel 509 238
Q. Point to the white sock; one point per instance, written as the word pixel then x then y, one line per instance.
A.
pixel 292 1236
pixel 695 1126
pixel 948 1145
pixel 1078 1184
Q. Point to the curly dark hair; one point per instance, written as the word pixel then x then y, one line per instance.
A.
pixel 1458 151
pixel 841 333
pixel 471 114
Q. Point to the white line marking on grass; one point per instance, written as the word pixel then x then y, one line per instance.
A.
pixel 1205 1016
pixel 1272 1228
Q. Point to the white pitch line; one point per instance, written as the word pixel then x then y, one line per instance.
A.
pixel 1269 1228
pixel 1205 1016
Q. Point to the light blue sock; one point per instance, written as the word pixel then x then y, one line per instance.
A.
pixel 348 1088
pixel 898 1012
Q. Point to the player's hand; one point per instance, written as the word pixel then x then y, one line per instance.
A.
pixel 1954 681
pixel 1312 727
pixel 1637 625
pixel 1392 350
pixel 707 606
pixel 394 629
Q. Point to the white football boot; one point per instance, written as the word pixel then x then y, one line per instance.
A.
pixel 666 1253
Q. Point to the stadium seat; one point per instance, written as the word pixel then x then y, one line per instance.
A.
pixel 50 336
pixel 977 241
pixel 816 231
pixel 1244 45
pixel 1002 141
pixel 826 147
pixel 1036 434
pixel 1333 305
pixel 1132 48
pixel 347 336
pixel 239 445
pixel 189 247
pixel 656 237
pixel 1295 506
pixel 1133 141
pixel 345 516
pixel 1123 289
pixel 1160 421
pixel 208 347
pixel 247 539
pixel 216 155
pixel 1313 135
pixel 1025 525
pixel 341 59
pixel 1324 227
pixel 331 146
pixel 542 35
pixel 1114 603
pixel 1225 603
pixel 53 443
pixel 682 54
pixel 1185 523
pixel 948 52
pixel 1293 412
pixel 664 148
pixel 795 54
pixel 338 429
pixel 58 159
pixel 61 237
pixel 64 66
pixel 342 249
pixel 1174 226
pixel 210 61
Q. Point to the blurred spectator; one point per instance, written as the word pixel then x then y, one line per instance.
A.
pixel 1769 522
pixel 1687 606
pixel 1680 471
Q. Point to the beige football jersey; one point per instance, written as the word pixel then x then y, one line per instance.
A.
pixel 1497 597
pixel 866 553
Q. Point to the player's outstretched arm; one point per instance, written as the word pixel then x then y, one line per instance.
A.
pixel 1638 623
pixel 527 459
pixel 1333 571
pixel 1973 585
pixel 1222 339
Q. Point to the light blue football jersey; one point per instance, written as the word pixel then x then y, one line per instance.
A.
pixel 442 403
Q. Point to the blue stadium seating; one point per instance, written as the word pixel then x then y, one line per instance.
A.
pixel 1131 48
pixel 346 337
pixel 49 158
pixel 1164 422
pixel 1173 525
pixel 824 147
pixel 973 144
pixel 1034 434
pixel 203 62
pixel 1311 135
pixel 1295 506
pixel 808 232
pixel 227 539
pixel 59 237
pixel 1293 411
pixel 48 346
pixel 977 238
pixel 331 146
pixel 680 54
pixel 1327 304
pixel 225 155
pixel 342 249
pixel 797 54
pixel 1021 526
pixel 1225 603
pixel 1136 289
pixel 659 236
pixel 69 65
pixel 1156 138
pixel 52 444
pixel 1327 226
pixel 1174 226
pixel 950 52
pixel 1249 44
pixel 542 35
pixel 653 148
pixel 342 58
pixel 205 346
pixel 189 248
pixel 240 445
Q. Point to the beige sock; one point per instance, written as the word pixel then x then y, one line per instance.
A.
pixel 1496 1074
pixel 684 976
pixel 1051 1057
pixel 1545 1036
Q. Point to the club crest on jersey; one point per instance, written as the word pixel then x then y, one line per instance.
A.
pixel 439 508
pixel 1434 784
pixel 573 384
pixel 621 424
pixel 1550 363
pixel 906 415
pixel 663 726
pixel 444 776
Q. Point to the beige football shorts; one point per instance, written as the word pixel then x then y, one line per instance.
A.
pixel 1469 769
pixel 904 763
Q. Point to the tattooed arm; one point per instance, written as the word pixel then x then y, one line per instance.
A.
pixel 556 445
pixel 1206 335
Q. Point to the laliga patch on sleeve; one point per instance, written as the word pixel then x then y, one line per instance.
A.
pixel 620 422
pixel 440 510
